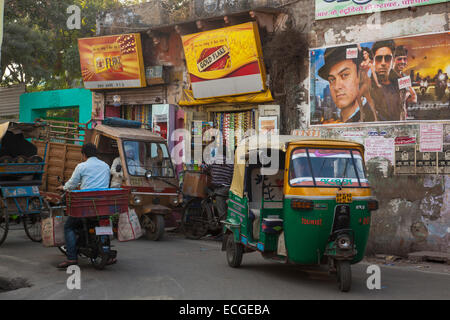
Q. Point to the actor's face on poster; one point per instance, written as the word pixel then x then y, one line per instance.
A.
pixel 383 63
pixel 344 84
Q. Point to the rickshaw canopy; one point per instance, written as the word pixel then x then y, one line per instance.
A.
pixel 276 142
pixel 129 133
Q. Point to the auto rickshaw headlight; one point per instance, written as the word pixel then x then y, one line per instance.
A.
pixel 175 200
pixel 302 204
pixel 372 205
pixel 137 200
pixel 344 242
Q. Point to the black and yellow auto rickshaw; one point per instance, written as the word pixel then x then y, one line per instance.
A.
pixel 313 208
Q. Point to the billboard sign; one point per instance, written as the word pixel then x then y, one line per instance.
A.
pixel 402 79
pixel 225 62
pixel 112 62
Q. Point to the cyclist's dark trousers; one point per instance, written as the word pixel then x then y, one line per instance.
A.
pixel 221 200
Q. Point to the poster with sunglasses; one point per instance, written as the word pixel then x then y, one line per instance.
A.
pixel 394 80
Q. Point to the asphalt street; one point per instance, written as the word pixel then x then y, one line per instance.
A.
pixel 177 268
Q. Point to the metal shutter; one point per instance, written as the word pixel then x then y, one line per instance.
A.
pixel 10 102
pixel 148 95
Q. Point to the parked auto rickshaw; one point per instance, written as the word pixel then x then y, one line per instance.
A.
pixel 148 172
pixel 315 208
pixel 142 158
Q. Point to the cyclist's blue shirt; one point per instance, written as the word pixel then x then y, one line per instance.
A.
pixel 91 174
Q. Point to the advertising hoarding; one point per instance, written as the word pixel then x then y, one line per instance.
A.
pixel 400 79
pixel 225 62
pixel 112 62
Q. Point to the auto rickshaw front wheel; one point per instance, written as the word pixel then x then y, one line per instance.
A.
pixel 153 225
pixel 234 251
pixel 344 275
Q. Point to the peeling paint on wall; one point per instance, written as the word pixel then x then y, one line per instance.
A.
pixel 389 29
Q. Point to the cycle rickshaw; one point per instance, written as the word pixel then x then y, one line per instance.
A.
pixel 21 171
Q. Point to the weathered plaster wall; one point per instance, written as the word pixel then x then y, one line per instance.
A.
pixel 414 213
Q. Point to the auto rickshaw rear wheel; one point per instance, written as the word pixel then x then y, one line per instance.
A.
pixel 344 275
pixel 153 225
pixel 234 251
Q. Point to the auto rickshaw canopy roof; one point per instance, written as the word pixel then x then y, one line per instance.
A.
pixel 277 142
pixel 129 133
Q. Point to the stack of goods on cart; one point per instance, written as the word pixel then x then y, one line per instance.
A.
pixel 15 149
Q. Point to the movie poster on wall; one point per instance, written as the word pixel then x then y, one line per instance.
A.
pixel 327 9
pixel 401 79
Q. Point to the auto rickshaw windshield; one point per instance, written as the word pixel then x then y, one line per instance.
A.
pixel 327 168
pixel 143 156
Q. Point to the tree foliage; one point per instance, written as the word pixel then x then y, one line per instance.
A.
pixel 38 48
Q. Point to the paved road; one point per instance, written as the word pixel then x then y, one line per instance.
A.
pixel 177 268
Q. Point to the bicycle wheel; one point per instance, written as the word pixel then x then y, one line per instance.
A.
pixel 4 224
pixel 32 227
pixel 32 222
pixel 193 222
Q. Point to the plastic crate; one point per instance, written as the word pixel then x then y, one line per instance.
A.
pixel 97 202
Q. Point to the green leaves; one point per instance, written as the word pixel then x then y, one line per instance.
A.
pixel 38 49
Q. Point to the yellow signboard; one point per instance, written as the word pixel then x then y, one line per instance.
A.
pixel 112 62
pixel 225 62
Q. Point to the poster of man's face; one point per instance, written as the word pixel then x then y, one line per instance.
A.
pixel 393 80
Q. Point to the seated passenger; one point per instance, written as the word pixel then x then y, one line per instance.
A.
pixel 116 173
pixel 134 166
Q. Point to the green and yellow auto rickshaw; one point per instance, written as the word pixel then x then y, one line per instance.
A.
pixel 312 207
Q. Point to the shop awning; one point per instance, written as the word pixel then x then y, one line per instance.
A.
pixel 255 98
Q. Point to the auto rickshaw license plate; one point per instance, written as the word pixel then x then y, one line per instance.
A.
pixel 344 198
